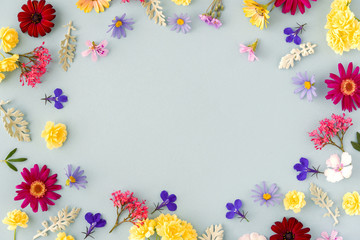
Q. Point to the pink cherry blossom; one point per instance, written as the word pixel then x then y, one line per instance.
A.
pixel 95 50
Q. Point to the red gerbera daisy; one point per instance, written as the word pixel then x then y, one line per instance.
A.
pixel 290 229
pixel 38 188
pixel 36 18
pixel 292 5
pixel 346 87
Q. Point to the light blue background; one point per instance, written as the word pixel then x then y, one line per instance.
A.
pixel 186 113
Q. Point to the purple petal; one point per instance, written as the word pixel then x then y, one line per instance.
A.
pixel 302 176
pixel 297 40
pixel 230 207
pixel 58 105
pixel 230 215
pixel 164 195
pixel 89 217
pixel 288 31
pixel 237 203
pixel 172 198
pixel 63 98
pixel 172 206
pixel 304 162
pixel 101 223
pixel 58 92
pixel 299 167
pixel 290 38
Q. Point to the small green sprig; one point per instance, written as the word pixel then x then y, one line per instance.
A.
pixel 9 161
pixel 356 145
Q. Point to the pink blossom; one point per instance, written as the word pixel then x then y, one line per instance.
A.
pixel 333 236
pixel 250 51
pixel 216 23
pixel 95 50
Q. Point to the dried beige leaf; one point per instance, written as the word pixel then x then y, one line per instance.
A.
pixel 59 222
pixel 154 11
pixel 214 232
pixel 322 200
pixel 67 48
pixel 295 55
pixel 14 123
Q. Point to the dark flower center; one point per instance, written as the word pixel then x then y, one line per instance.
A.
pixel 36 17
pixel 348 87
pixel 288 236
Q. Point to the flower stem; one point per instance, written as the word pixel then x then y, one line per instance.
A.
pixel 2 55
pixel 15 234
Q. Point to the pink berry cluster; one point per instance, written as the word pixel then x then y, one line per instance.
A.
pixel 330 128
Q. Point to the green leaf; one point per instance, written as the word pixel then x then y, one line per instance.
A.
pixel 11 153
pixel 356 146
pixel 358 137
pixel 17 160
pixel 11 166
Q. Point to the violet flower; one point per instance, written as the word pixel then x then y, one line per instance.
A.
pixel 118 26
pixel 266 195
pixel 234 209
pixel 59 98
pixel 95 221
pixel 293 36
pixel 75 178
pixel 303 169
pixel 168 201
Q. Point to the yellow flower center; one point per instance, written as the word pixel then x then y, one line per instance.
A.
pixel 307 85
pixel 118 24
pixel 348 87
pixel 266 196
pixel 70 180
pixel 180 21
pixel 37 189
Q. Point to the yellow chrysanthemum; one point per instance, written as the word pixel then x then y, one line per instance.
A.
pixel 257 13
pixel 88 5
pixel 336 42
pixel 142 230
pixel 16 218
pixel 55 135
pixel 9 37
pixel 182 2
pixel 190 232
pixel 351 203
pixel 340 4
pixel 295 201
pixel 62 236
pixel 169 227
pixel 2 77
pixel 9 64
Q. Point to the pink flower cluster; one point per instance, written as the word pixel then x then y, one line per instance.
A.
pixel 329 128
pixel 32 71
pixel 209 20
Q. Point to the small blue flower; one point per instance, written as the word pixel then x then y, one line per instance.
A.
pixel 303 169
pixel 95 221
pixel 118 26
pixel 234 209
pixel 75 177
pixel 168 201
pixel 59 98
pixel 293 36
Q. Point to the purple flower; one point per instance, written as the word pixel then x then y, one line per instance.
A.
pixel 95 221
pixel 180 23
pixel 303 169
pixel 234 209
pixel 75 178
pixel 59 98
pixel 306 86
pixel 210 20
pixel 265 195
pixel 119 25
pixel 293 36
pixel 168 201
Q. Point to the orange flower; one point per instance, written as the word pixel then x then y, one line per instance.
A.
pixel 88 5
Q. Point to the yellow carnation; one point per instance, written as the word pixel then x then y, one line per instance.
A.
pixel 2 77
pixel 62 236
pixel 169 227
pixel 294 200
pixel 142 230
pixel 190 232
pixel 16 218
pixel 340 4
pixel 351 203
pixel 9 64
pixel 182 2
pixel 9 38
pixel 55 135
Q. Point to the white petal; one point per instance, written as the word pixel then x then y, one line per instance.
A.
pixel 333 161
pixel 333 176
pixel 346 159
pixel 347 171
pixel 245 237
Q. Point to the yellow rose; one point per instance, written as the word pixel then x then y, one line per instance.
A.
pixel 142 230
pixel 9 64
pixel 55 135
pixel 2 77
pixel 16 218
pixel 62 236
pixel 182 2
pixel 9 38
pixel 351 203
pixel 294 200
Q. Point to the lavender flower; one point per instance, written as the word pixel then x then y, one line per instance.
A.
pixel 168 201
pixel 180 23
pixel 234 209
pixel 209 20
pixel 293 36
pixel 75 178
pixel 265 195
pixel 303 169
pixel 59 98
pixel 119 25
pixel 306 86
pixel 95 221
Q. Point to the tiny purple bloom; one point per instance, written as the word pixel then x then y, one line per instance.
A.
pixel 210 20
pixel 59 98
pixel 119 25
pixel 180 23
pixel 303 169
pixel 95 221
pixel 234 209
pixel 75 178
pixel 266 195
pixel 306 86
pixel 168 201
pixel 293 36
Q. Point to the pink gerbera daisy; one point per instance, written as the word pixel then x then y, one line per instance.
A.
pixel 345 88
pixel 38 188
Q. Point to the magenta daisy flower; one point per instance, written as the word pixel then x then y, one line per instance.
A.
pixel 180 23
pixel 38 188
pixel 345 88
